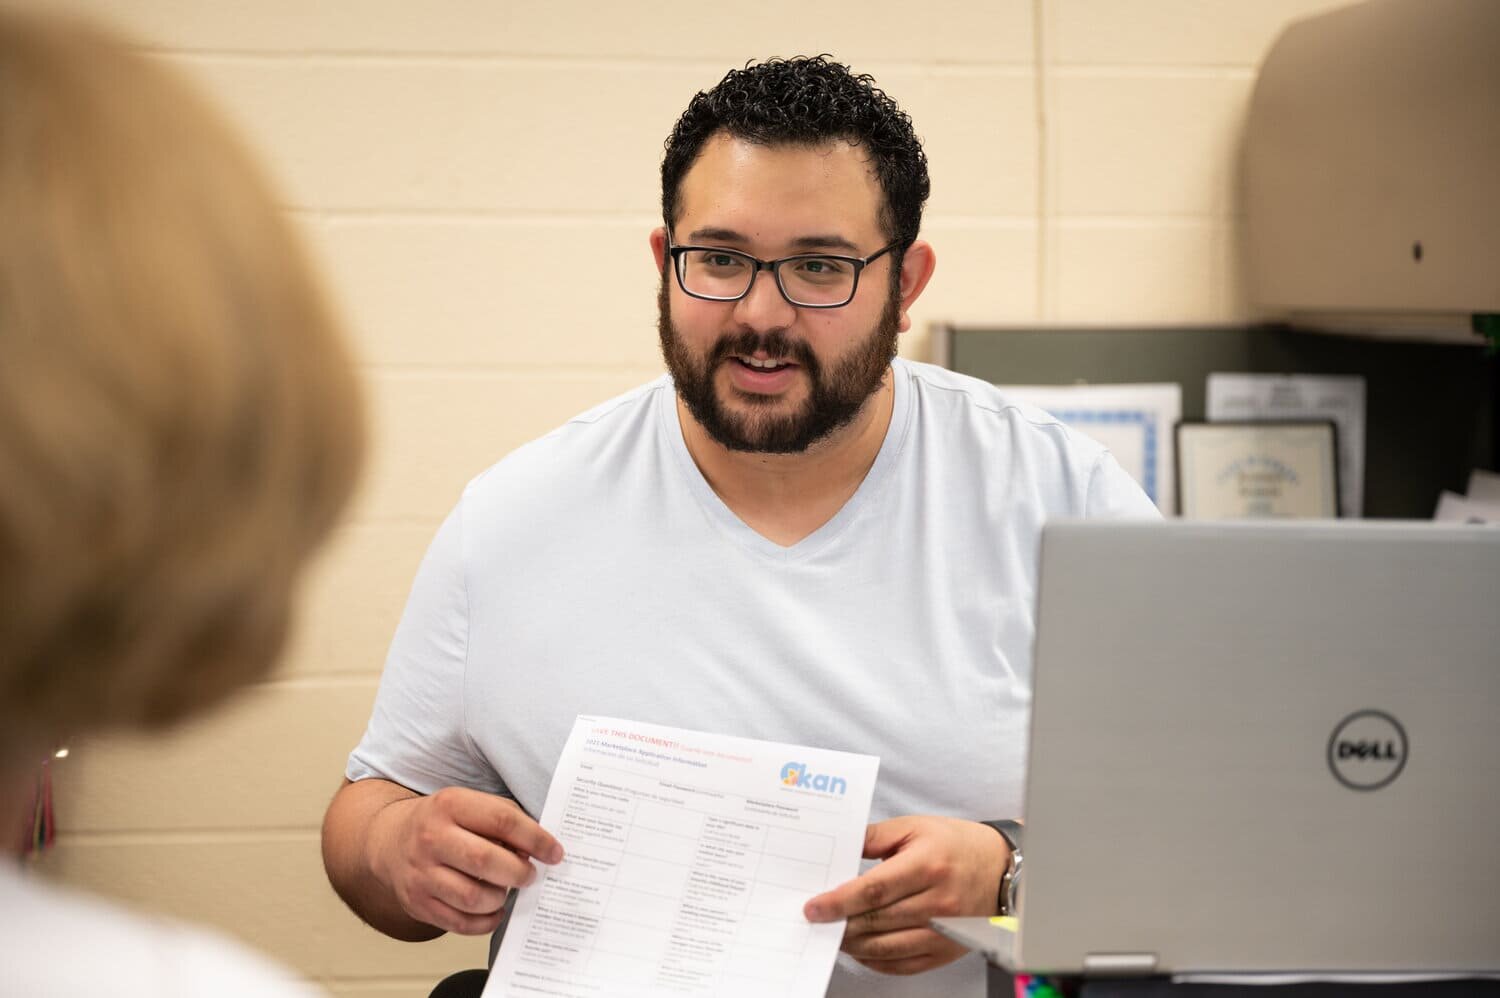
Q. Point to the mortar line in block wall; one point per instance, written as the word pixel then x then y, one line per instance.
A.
pixel 188 836
pixel 656 61
pixel 1043 216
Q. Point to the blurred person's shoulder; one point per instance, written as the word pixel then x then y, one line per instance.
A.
pixel 59 941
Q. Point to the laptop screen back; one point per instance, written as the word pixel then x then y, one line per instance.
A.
pixel 1265 747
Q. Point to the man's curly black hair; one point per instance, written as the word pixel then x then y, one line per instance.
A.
pixel 806 101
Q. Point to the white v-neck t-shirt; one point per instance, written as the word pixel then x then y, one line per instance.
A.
pixel 594 571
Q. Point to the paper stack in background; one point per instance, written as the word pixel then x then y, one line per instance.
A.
pixel 1481 505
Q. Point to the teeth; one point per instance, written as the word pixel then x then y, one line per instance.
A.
pixel 763 364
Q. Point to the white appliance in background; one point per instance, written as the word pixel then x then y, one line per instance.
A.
pixel 1370 149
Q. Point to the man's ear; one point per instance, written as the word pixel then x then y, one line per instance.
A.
pixel 659 247
pixel 917 264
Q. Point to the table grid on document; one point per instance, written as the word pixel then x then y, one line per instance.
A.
pixel 663 892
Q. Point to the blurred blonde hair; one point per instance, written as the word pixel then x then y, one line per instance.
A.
pixel 180 423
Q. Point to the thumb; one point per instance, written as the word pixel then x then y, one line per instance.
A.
pixel 885 838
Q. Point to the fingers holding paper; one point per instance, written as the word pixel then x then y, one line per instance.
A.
pixel 930 867
pixel 451 858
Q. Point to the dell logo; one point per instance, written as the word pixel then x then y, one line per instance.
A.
pixel 1367 750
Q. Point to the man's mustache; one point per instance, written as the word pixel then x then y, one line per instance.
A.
pixel 776 346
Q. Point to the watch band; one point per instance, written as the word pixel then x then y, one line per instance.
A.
pixel 1010 831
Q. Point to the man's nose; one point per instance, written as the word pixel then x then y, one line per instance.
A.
pixel 764 307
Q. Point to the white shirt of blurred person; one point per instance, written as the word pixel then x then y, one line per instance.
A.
pixel 794 537
pixel 179 427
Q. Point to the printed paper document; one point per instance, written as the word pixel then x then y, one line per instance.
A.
pixel 689 858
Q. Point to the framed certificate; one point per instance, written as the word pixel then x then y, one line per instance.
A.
pixel 1260 469
pixel 1134 421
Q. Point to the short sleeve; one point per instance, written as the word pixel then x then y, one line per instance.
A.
pixel 417 735
pixel 1113 494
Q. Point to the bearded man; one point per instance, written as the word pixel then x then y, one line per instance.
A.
pixel 795 535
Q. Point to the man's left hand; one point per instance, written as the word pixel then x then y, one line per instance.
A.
pixel 931 867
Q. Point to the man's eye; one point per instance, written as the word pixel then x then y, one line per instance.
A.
pixel 821 267
pixel 721 260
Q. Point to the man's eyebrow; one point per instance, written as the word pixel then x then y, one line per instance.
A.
pixel 712 233
pixel 709 233
pixel 824 242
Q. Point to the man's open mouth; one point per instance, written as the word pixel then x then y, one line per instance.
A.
pixel 769 364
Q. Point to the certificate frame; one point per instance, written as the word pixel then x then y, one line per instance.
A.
pixel 1257 470
pixel 1134 420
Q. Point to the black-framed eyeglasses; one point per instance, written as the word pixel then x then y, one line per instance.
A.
pixel 807 280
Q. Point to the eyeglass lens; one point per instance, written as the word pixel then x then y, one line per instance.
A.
pixel 807 280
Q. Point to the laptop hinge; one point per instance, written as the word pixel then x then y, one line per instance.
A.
pixel 1119 964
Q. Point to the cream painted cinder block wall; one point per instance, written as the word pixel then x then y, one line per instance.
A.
pixel 440 155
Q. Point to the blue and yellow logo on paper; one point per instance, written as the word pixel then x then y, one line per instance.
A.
pixel 798 775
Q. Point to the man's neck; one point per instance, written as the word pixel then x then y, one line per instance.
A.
pixel 785 497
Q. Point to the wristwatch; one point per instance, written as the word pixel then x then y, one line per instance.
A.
pixel 1010 880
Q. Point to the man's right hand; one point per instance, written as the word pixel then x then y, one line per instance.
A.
pixel 451 858
pixel 415 866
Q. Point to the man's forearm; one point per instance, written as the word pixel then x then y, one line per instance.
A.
pixel 351 828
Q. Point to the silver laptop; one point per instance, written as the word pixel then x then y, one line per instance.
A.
pixel 1261 748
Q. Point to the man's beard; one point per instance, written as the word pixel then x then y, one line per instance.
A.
pixel 834 397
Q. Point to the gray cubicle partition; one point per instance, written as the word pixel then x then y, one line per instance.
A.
pixel 1430 408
